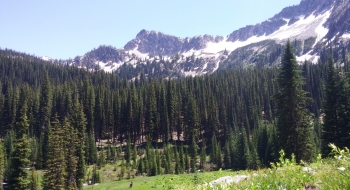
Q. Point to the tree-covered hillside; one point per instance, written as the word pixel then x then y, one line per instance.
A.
pixel 69 118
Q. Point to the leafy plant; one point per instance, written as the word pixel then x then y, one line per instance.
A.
pixel 341 155
pixel 283 161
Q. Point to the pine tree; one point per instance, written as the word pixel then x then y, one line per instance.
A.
pixel 293 119
pixel 34 181
pixel 187 161
pixel 330 122
pixel 56 173
pixel 19 178
pixel 78 121
pixel 202 155
pixel 193 150
pixel 40 158
pixel 2 164
pixel 71 145
pixel 44 116
pixel 227 155
pixel 158 161
pixel 101 158
pixel 219 157
pixel 128 151
pixel 92 149
pixel 95 175
pixel 8 150
pixel 34 150
pixel 336 109
pixel 214 151
pixel 134 155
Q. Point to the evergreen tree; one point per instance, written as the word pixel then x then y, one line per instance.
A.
pixel 56 170
pixel 40 158
pixel 293 119
pixel 8 150
pixel 330 122
pixel 78 121
pixel 71 145
pixel 19 178
pixel 158 161
pixel 181 159
pixel 101 158
pixel 92 149
pixel 214 150
pixel 34 150
pixel 134 155
pixel 202 155
pixel 337 109
pixel 34 181
pixel 44 116
pixel 193 150
pixel 187 161
pixel 128 151
pixel 218 157
pixel 95 175
pixel 2 164
pixel 227 155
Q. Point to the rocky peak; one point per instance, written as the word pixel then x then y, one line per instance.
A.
pixel 157 43
pixel 306 8
pixel 308 23
pixel 292 13
pixel 154 43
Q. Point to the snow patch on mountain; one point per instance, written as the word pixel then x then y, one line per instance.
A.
pixel 109 66
pixel 230 46
pixel 138 54
pixel 46 58
pixel 346 35
pixel 307 57
pixel 305 27
pixel 322 31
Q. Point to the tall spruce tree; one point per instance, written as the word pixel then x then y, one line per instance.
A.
pixel 202 155
pixel 293 119
pixel 19 178
pixel 336 109
pixel 2 164
pixel 71 144
pixel 56 169
pixel 330 108
pixel 193 149
pixel 78 121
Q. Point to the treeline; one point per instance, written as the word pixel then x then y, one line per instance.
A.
pixel 77 118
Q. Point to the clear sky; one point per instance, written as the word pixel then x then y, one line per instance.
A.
pixel 63 29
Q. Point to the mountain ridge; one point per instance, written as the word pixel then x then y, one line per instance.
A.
pixel 316 21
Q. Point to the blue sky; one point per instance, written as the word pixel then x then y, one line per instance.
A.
pixel 63 29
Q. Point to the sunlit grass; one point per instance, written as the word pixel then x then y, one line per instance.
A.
pixel 331 173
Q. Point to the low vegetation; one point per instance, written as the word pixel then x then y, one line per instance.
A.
pixel 330 173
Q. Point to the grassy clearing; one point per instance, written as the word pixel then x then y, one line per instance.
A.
pixel 331 173
pixel 183 181
pixel 324 175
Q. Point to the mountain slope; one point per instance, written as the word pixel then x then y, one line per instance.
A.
pixel 311 24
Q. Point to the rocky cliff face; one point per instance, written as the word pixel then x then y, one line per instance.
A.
pixel 311 25
pixel 157 43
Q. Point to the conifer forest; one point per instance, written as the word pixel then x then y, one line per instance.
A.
pixel 62 120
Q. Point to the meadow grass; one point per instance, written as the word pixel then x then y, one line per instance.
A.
pixel 331 173
pixel 325 175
